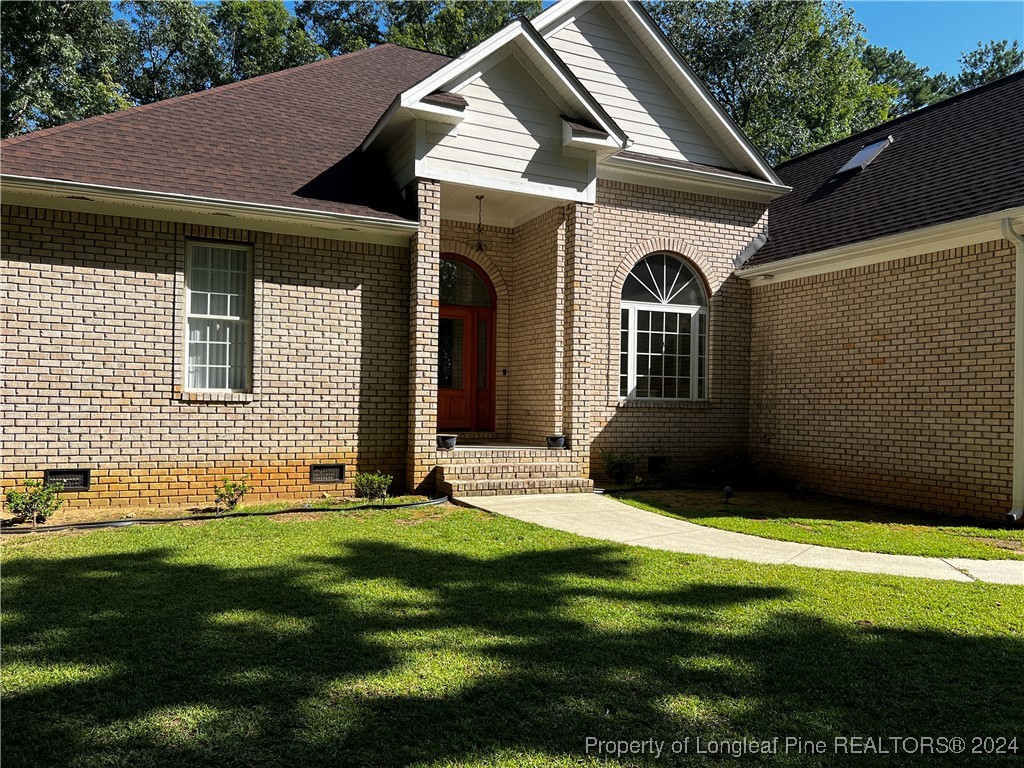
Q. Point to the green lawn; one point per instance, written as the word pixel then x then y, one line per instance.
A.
pixel 836 523
pixel 440 637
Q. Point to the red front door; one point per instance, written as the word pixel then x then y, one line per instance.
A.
pixel 465 369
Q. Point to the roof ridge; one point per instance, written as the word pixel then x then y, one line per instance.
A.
pixel 223 88
pixel 957 99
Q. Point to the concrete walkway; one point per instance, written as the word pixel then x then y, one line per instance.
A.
pixel 600 517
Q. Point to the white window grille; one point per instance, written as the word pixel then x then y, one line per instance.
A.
pixel 218 300
pixel 663 332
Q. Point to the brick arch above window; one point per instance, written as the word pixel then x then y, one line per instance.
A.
pixel 680 248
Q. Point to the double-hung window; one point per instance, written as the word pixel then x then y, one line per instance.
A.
pixel 218 301
pixel 663 332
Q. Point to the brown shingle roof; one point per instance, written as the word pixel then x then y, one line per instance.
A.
pixel 957 159
pixel 288 138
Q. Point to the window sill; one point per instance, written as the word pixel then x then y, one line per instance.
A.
pixel 216 397
pixel 623 402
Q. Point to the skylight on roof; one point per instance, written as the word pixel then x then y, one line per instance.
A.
pixel 865 155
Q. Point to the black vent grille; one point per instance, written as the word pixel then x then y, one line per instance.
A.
pixel 72 479
pixel 327 473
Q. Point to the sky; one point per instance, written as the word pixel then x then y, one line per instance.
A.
pixel 933 33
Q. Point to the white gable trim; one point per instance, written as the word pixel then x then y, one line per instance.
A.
pixel 676 70
pixel 471 65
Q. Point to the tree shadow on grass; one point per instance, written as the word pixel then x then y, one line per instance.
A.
pixel 386 654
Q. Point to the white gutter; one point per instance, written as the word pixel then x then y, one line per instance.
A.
pixel 940 237
pixel 25 190
pixel 1017 510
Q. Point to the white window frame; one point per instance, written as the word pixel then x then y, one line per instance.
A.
pixel 698 343
pixel 245 320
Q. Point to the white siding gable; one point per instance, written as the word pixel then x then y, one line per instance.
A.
pixel 510 138
pixel 641 102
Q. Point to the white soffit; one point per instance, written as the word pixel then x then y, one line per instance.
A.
pixel 698 99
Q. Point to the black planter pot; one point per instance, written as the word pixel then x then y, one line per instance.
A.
pixel 446 442
pixel 555 441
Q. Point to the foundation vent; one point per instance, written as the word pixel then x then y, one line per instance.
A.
pixel 72 479
pixel 327 473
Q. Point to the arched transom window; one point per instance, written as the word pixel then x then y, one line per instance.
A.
pixel 663 339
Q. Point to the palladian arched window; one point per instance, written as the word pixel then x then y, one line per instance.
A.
pixel 664 329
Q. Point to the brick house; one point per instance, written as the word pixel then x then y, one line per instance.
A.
pixel 315 272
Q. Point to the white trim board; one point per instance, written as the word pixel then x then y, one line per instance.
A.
pixel 941 237
pixel 165 206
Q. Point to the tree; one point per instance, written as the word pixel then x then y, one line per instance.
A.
pixel 450 27
pixel 789 74
pixel 988 62
pixel 341 27
pixel 260 36
pixel 173 49
pixel 915 87
pixel 58 64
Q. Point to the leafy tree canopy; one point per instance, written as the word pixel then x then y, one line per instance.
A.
pixel 260 36
pixel 914 86
pixel 789 74
pixel 450 27
pixel 988 62
pixel 173 50
pixel 341 26
pixel 58 64
pixel 793 75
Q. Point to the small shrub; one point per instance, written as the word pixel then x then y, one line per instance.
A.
pixel 37 502
pixel 372 485
pixel 621 466
pixel 231 492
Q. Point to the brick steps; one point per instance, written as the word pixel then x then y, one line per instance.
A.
pixel 498 472
pixel 506 487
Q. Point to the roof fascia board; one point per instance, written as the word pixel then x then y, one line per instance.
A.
pixel 688 180
pixel 639 20
pixel 167 206
pixel 436 114
pixel 560 11
pixel 940 237
pixel 383 122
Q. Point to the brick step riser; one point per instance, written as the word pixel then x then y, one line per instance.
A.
pixel 458 488
pixel 511 456
pixel 508 471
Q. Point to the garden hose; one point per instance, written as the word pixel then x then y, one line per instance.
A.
pixel 158 520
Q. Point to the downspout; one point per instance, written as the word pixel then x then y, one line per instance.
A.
pixel 753 247
pixel 1017 511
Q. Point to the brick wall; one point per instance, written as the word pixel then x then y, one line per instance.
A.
pixel 631 222
pixel 893 382
pixel 92 339
pixel 537 325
